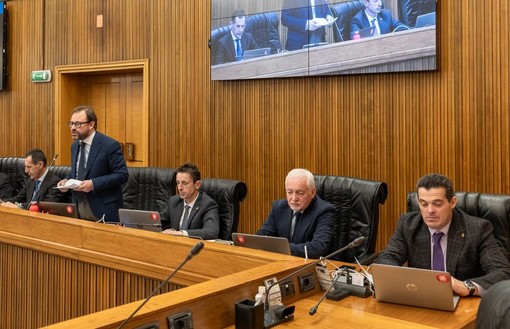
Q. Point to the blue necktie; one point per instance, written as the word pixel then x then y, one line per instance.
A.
pixel 185 219
pixel 35 196
pixel 239 50
pixel 437 252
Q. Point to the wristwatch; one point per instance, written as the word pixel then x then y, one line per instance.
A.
pixel 471 286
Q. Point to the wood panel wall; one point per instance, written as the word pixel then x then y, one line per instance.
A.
pixel 388 127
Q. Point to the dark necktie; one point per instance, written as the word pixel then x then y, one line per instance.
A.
pixel 81 165
pixel 185 219
pixel 437 252
pixel 376 32
pixel 239 50
pixel 295 218
pixel 35 195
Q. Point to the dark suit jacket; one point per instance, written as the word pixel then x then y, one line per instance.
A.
pixel 314 229
pixel 47 192
pixel 6 190
pixel 107 169
pixel 226 51
pixel 295 13
pixel 204 217
pixel 386 22
pixel 472 251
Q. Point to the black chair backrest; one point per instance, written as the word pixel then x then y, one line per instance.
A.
pixel 149 188
pixel 345 11
pixel 228 194
pixel 409 10
pixel 62 172
pixel 263 27
pixel 357 208
pixel 493 207
pixel 15 169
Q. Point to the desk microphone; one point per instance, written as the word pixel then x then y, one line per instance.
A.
pixel 274 317
pixel 314 308
pixel 53 160
pixel 194 251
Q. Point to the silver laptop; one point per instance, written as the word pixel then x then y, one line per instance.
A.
pixel 414 286
pixel 262 242
pixel 426 20
pixel 141 219
pixel 58 208
pixel 254 53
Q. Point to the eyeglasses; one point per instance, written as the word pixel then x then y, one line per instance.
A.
pixel 77 124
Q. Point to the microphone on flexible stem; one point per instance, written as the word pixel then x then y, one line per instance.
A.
pixel 53 160
pixel 314 308
pixel 282 313
pixel 194 251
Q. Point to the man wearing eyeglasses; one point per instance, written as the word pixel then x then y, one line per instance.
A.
pixel 98 163
pixel 39 185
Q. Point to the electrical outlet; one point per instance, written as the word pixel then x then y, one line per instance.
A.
pixel 287 289
pixel 180 321
pixel 306 282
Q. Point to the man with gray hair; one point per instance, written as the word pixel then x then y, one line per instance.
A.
pixel 303 218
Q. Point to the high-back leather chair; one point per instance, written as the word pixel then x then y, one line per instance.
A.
pixel 494 207
pixel 149 188
pixel 356 202
pixel 409 10
pixel 62 172
pixel 14 168
pixel 263 27
pixel 345 11
pixel 228 194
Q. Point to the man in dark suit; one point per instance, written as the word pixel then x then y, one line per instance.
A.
pixel 39 185
pixel 231 46
pixel 98 163
pixel 303 218
pixel 373 15
pixel 5 187
pixel 191 212
pixel 465 245
pixel 305 20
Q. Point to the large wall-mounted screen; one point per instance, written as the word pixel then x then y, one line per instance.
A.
pixel 3 45
pixel 253 39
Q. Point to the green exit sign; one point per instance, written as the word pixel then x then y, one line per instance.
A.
pixel 41 76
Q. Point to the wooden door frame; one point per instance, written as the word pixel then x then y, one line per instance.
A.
pixel 68 96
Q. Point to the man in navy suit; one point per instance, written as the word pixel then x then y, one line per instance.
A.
pixel 191 212
pixel 231 46
pixel 466 246
pixel 38 174
pixel 305 21
pixel 97 161
pixel 303 218
pixel 373 15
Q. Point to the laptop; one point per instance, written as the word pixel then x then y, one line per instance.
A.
pixel 254 53
pixel 426 20
pixel 262 242
pixel 367 32
pixel 414 286
pixel 58 208
pixel 141 219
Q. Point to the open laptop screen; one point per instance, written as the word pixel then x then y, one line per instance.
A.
pixel 262 242
pixel 58 208
pixel 141 219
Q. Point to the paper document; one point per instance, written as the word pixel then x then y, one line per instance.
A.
pixel 324 22
pixel 70 184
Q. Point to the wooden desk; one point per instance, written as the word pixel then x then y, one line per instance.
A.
pixel 400 51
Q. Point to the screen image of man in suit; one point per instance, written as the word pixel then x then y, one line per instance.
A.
pixel 191 212
pixel 303 218
pixel 39 185
pixel 374 15
pixel 231 46
pixel 303 19
pixel 97 161
pixel 466 246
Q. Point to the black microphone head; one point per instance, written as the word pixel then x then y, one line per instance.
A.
pixel 196 249
pixel 313 310
pixel 358 241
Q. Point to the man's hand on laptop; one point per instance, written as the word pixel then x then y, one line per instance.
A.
pixel 171 231
pixel 460 288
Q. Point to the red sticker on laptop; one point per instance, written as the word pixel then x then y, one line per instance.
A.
pixel 69 209
pixel 443 278
pixel 154 216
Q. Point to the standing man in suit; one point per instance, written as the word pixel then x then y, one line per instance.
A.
pixel 440 237
pixel 39 185
pixel 191 213
pixel 97 161
pixel 373 15
pixel 303 218
pixel 231 46
pixel 305 20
